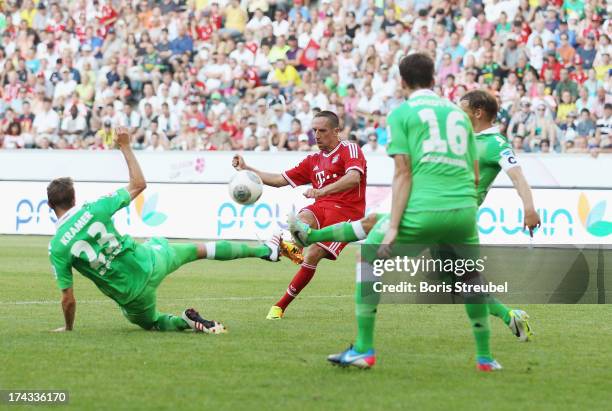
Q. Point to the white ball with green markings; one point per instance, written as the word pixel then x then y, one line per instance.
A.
pixel 245 187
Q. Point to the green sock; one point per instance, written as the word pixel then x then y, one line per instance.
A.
pixel 343 232
pixel 479 317
pixel 167 322
pixel 498 309
pixel 366 318
pixel 230 250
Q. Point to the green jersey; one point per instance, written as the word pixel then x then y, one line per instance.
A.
pixel 494 154
pixel 87 240
pixel 438 137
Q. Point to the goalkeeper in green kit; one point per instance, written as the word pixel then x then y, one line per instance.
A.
pixel 126 271
pixel 434 201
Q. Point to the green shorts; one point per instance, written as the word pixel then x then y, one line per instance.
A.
pixel 427 228
pixel 167 258
pixel 448 234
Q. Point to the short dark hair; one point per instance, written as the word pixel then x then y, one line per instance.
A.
pixel 481 99
pixel 60 193
pixel 331 117
pixel 417 70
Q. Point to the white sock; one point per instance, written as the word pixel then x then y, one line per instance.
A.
pixel 210 250
pixel 358 229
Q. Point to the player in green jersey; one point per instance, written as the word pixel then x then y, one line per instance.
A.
pixel 126 271
pixel 495 154
pixel 433 200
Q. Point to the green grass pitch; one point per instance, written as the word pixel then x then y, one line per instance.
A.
pixel 425 353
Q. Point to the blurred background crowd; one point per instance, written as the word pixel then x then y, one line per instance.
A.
pixel 250 74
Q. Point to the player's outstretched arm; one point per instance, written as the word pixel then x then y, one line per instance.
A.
pixel 347 182
pixel 400 193
pixel 532 219
pixel 137 182
pixel 69 308
pixel 269 179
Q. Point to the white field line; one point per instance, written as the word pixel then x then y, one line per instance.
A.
pixel 177 300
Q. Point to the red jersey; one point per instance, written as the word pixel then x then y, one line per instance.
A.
pixel 578 76
pixel 79 31
pixel 251 75
pixel 217 20
pixel 322 169
pixel 107 13
pixel 55 28
pixel 205 32
pixel 525 32
pixel 591 29
pixel 556 68
pixel 252 47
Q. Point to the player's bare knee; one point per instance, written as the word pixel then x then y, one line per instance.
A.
pixel 314 254
pixel 201 253
pixel 368 222
pixel 308 217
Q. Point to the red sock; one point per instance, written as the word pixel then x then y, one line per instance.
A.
pixel 300 280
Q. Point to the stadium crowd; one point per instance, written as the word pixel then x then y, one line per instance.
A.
pixel 225 74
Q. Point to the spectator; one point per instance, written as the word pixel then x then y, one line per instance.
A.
pixel 584 101
pixel 566 84
pixel 46 124
pixel 602 68
pixel 304 144
pixel 587 52
pixel 167 121
pixel 484 28
pixel 13 138
pixel 544 146
pixel 603 133
pixel 280 26
pixel 372 146
pixel 368 104
pixel 258 21
pixel 566 106
pixel 275 96
pixel 156 143
pixel 73 127
pixel 521 121
pixel 235 19
pixel 104 136
pixel 601 99
pixel 281 118
pixel 541 128
pixel 511 53
pixel 218 107
pixel 566 51
pixel 293 143
pixel 285 75
pixel 585 127
pixel 182 44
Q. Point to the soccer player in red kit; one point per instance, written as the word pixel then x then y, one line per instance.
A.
pixel 338 177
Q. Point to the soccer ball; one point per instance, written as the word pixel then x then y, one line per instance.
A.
pixel 245 187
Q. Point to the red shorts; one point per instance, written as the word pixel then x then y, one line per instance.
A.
pixel 326 216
